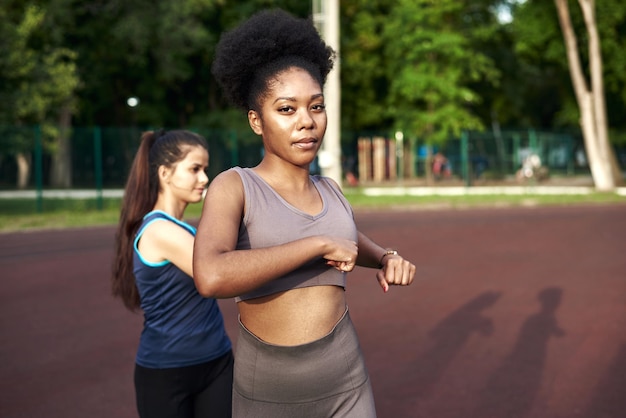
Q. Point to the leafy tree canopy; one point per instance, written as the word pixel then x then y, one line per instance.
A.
pixel 38 75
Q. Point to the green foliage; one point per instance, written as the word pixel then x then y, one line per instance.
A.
pixel 612 29
pixel 158 51
pixel 429 68
pixel 409 65
pixel 431 64
pixel 38 76
pixel 363 73
pixel 543 66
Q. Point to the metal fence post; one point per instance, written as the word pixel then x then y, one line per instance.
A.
pixel 39 168
pixel 570 154
pixel 412 159
pixel 465 158
pixel 97 157
pixel 516 146
pixel 532 141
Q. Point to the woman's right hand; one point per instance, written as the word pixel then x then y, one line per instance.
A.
pixel 341 253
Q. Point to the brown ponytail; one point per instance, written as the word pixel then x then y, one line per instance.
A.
pixel 140 195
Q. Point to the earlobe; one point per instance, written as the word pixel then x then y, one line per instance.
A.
pixel 255 122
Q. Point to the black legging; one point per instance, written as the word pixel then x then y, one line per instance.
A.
pixel 202 390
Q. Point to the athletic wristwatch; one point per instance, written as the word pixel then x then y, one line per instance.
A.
pixel 388 252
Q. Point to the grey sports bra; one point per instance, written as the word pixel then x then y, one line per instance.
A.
pixel 269 220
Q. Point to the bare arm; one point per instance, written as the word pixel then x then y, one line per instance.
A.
pixel 165 240
pixel 222 271
pixel 395 269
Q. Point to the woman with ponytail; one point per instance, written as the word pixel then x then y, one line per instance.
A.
pixel 184 362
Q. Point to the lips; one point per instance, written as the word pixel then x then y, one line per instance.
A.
pixel 308 143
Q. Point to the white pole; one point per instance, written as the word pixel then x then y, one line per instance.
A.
pixel 326 19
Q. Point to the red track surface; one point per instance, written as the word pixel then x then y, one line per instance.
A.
pixel 515 313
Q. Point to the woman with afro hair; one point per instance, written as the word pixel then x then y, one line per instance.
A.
pixel 282 241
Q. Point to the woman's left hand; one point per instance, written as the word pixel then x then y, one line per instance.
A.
pixel 396 271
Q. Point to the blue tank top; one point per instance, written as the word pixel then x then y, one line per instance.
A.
pixel 181 328
pixel 270 220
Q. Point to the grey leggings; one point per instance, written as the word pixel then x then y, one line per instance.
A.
pixel 324 378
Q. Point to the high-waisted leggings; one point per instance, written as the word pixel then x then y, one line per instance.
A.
pixel 324 378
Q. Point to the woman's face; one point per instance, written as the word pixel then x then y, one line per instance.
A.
pixel 187 180
pixel 292 120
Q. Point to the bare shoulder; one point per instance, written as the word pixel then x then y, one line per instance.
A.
pixel 161 238
pixel 163 230
pixel 225 198
pixel 226 182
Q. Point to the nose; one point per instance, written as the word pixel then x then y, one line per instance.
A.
pixel 305 121
pixel 204 178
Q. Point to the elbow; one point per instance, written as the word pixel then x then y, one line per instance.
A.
pixel 205 286
pixel 210 278
pixel 205 291
pixel 209 286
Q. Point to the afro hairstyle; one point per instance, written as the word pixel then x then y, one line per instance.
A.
pixel 269 42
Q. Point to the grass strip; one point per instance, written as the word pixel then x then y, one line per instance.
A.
pixel 22 214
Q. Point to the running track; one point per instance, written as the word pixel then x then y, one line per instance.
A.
pixel 515 313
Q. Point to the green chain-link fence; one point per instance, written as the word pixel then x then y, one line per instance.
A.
pixel 100 157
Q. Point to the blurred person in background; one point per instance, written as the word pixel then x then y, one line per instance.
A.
pixel 441 166
pixel 184 361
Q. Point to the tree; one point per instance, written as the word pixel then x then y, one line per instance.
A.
pixel 416 66
pixel 39 78
pixel 409 64
pixel 590 95
pixel 431 63
pixel 158 51
pixel 364 82
pixel 546 73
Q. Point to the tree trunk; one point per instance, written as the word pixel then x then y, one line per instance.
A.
pixel 590 100
pixel 596 65
pixel 61 169
pixel 23 169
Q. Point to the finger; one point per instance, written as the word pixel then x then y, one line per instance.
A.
pixel 380 276
pixel 406 277
pixel 399 274
pixel 394 273
pixel 404 274
pixel 347 266
pixel 411 273
pixel 342 266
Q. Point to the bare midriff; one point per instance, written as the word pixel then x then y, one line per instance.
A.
pixel 294 317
